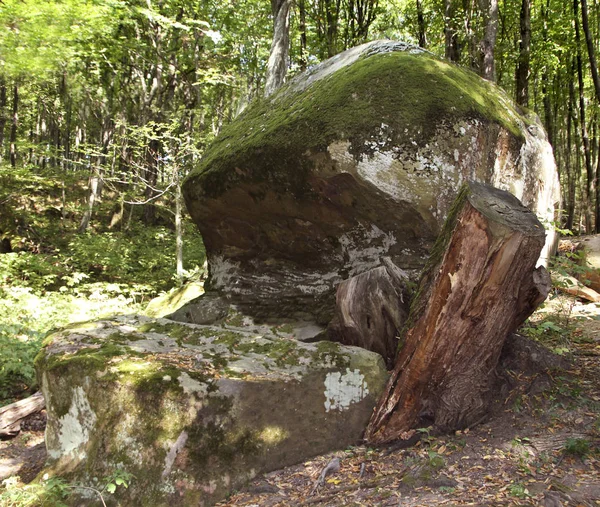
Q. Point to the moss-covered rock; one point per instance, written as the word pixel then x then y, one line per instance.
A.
pixel 357 159
pixel 195 411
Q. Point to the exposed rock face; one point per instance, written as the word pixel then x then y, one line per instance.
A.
pixel 357 159
pixel 195 411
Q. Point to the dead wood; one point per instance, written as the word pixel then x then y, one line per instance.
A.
pixel 371 309
pixel 480 284
pixel 574 287
pixel 12 415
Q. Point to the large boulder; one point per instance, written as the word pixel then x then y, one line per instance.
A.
pixel 192 411
pixel 357 159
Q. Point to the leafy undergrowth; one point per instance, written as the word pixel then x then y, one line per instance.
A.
pixel 541 446
pixel 52 276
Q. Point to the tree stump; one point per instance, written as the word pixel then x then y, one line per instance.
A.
pixel 479 285
pixel 371 309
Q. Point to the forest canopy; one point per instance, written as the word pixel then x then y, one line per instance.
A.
pixel 128 93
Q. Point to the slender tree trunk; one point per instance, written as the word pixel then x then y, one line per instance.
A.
pixel 331 15
pixel 488 45
pixel 151 177
pixel 95 191
pixel 590 47
pixel 421 24
pixel 522 73
pixel 583 127
pixel 302 23
pixel 548 117
pixel 570 201
pixel 280 46
pixel 14 125
pixel 178 226
pixel 450 33
pixel 3 105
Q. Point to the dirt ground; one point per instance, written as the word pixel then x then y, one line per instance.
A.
pixel 541 446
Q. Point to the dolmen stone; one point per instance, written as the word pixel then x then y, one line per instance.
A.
pixel 193 411
pixel 357 159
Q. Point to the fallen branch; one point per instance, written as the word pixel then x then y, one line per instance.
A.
pixel 11 415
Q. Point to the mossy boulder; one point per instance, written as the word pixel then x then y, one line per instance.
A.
pixel 359 158
pixel 193 412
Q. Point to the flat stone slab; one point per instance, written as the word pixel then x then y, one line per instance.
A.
pixel 194 411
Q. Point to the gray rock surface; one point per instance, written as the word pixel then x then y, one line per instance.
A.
pixel 192 411
pixel 357 159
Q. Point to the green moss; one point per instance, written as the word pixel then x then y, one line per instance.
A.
pixel 330 351
pixel 88 358
pixel 410 93
pixel 234 319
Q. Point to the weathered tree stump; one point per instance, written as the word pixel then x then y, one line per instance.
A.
pixel 371 309
pixel 480 284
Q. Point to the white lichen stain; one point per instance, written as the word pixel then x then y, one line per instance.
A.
pixel 75 427
pixel 177 446
pixel 190 386
pixel 343 390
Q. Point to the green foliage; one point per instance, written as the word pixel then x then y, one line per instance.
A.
pixel 53 491
pixel 518 490
pixel 579 447
pixel 143 255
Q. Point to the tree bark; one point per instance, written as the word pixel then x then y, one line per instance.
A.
pixel 488 44
pixel 479 285
pixel 371 309
pixel 452 46
pixel 3 104
pixel 587 198
pixel 279 56
pixel 590 47
pixel 14 126
pixel 421 25
pixel 522 73
pixel 571 179
pixel 178 226
pixel 302 23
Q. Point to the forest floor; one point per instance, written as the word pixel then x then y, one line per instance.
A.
pixel 541 446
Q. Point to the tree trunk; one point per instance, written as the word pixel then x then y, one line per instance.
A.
pixel 151 179
pixel 14 126
pixel 479 285
pixel 302 23
pixel 452 46
pixel 548 116
pixel 178 226
pixel 421 25
pixel 371 309
pixel 3 105
pixel 488 67
pixel 590 47
pixel 585 141
pixel 570 201
pixel 279 56
pixel 522 73
pixel 95 192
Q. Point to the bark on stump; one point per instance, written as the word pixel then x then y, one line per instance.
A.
pixel 479 285
pixel 371 310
